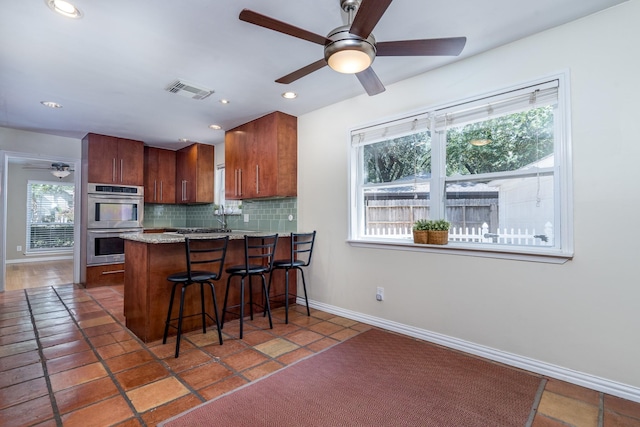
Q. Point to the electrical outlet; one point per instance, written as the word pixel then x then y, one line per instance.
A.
pixel 379 294
pixel 246 217
pixel 18 248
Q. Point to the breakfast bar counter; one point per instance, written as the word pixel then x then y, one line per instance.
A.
pixel 151 257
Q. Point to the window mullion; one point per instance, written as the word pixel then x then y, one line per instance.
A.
pixel 438 172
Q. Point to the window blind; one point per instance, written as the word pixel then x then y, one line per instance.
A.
pixel 494 106
pixel 49 216
pixel 510 102
pixel 390 130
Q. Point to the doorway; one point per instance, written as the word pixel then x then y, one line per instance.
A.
pixel 20 262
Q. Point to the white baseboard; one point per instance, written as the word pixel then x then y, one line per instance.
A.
pixel 39 259
pixel 579 378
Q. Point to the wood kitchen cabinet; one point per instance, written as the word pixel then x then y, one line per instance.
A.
pixel 112 160
pixel 159 175
pixel 261 158
pixel 105 275
pixel 194 174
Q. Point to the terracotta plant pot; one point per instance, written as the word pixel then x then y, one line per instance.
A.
pixel 421 236
pixel 438 237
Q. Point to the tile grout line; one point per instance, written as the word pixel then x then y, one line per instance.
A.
pixel 100 359
pixel 45 370
pixel 536 402
pixel 601 409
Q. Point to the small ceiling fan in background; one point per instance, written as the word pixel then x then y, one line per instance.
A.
pixel 58 169
pixel 352 48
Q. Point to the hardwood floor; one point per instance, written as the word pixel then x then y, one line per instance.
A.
pixel 37 274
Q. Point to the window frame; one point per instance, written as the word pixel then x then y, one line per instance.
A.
pixel 30 250
pixel 563 188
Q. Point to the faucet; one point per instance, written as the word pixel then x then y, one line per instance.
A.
pixel 223 220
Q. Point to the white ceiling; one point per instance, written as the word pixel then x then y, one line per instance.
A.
pixel 109 69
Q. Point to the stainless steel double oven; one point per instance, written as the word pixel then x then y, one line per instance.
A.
pixel 112 210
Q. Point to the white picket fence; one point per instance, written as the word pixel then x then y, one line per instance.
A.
pixel 480 235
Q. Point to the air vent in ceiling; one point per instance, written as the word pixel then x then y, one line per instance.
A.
pixel 189 90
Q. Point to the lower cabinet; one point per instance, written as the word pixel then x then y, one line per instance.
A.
pixel 105 275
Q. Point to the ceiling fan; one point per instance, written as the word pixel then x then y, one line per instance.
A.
pixel 352 48
pixel 58 169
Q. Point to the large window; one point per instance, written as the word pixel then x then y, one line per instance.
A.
pixel 497 168
pixel 49 216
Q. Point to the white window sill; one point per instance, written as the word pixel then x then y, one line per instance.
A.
pixel 456 248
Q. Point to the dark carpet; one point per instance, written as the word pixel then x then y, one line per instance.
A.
pixel 377 378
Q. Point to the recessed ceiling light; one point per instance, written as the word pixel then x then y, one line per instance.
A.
pixel 64 8
pixel 183 140
pixel 215 127
pixel 50 104
pixel 289 95
pixel 224 101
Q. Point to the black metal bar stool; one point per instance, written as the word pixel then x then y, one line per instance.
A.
pixel 259 252
pixel 301 250
pixel 199 252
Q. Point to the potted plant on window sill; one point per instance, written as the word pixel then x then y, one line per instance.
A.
pixel 439 232
pixel 421 231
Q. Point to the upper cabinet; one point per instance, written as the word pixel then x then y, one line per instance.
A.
pixel 261 158
pixel 112 160
pixel 194 174
pixel 159 175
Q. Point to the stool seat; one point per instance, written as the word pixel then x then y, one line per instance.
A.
pixel 209 252
pixel 196 276
pixel 288 263
pixel 251 269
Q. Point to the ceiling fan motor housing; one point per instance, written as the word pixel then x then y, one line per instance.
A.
pixel 343 43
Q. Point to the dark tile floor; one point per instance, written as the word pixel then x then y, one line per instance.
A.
pixel 66 358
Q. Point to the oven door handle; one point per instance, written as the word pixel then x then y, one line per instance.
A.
pixel 116 198
pixel 114 231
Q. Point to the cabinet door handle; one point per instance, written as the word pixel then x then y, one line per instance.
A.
pixel 155 193
pixel 113 170
pixel 121 167
pixel 257 179
pixel 240 186
pixel 161 192
pixel 104 273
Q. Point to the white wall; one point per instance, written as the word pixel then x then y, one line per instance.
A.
pixel 39 144
pixel 582 316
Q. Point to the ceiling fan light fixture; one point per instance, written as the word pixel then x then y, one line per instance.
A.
pixel 349 61
pixel 348 53
pixel 64 8
pixel 60 173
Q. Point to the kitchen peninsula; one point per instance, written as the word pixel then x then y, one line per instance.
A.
pixel 151 257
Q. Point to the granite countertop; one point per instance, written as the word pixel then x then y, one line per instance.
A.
pixel 173 237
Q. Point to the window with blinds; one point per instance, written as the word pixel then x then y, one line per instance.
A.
pixel 49 216
pixel 496 167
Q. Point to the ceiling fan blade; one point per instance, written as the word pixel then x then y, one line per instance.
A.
pixel 370 81
pixel 368 15
pixel 292 77
pixel 282 27
pixel 451 46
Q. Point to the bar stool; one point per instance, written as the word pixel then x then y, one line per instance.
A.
pixel 199 252
pixel 301 250
pixel 259 252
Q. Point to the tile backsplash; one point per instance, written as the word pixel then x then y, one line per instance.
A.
pixel 263 215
